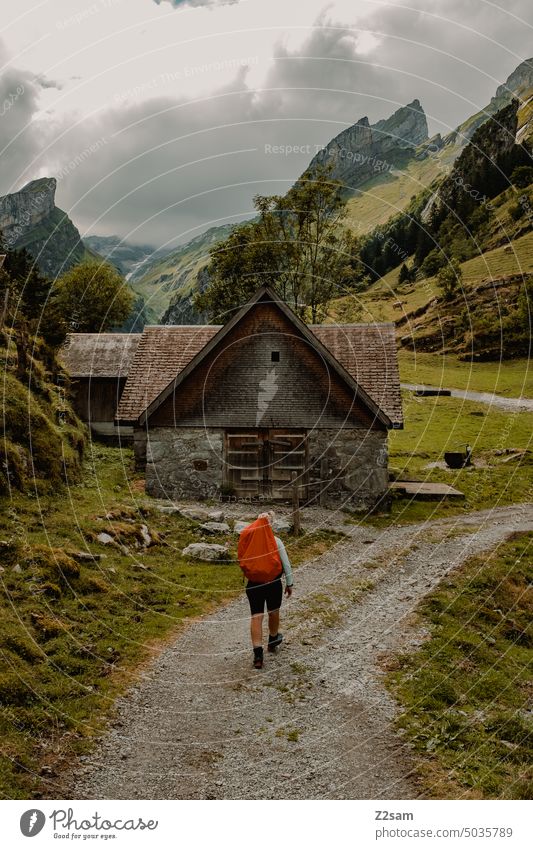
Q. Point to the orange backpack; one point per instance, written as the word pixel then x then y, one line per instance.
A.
pixel 258 552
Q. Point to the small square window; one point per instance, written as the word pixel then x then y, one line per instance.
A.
pixel 274 356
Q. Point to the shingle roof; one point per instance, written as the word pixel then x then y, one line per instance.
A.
pixel 366 351
pixel 162 353
pixel 99 354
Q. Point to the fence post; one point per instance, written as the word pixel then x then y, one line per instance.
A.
pixel 296 527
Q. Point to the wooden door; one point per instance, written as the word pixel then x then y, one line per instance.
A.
pixel 260 463
pixel 244 463
pixel 288 459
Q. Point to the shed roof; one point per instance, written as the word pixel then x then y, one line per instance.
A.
pixel 99 354
pixel 366 351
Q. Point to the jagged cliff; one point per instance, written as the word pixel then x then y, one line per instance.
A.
pixel 30 219
pixel 364 150
pixel 518 85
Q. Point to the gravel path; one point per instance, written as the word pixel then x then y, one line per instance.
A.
pixel 316 722
pixel 512 405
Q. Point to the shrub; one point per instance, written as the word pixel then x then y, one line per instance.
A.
pixel 522 176
pixel 450 279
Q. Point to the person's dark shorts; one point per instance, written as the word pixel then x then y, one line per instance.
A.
pixel 270 594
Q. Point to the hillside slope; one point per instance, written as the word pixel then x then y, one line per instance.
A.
pixel 166 284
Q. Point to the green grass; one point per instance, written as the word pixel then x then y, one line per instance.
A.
pixel 465 695
pixel 73 636
pixel 513 258
pixel 386 195
pixel 511 378
pixel 435 425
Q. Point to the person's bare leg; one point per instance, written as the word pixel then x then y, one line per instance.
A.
pixel 273 623
pixel 256 629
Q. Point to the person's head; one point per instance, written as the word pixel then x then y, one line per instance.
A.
pixel 269 515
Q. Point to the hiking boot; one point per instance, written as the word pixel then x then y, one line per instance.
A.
pixel 274 642
pixel 258 657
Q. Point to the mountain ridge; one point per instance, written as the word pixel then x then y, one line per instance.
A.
pixel 361 150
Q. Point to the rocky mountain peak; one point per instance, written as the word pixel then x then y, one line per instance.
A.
pixel 518 82
pixel 25 209
pixel 407 126
pixel 364 150
pixel 30 219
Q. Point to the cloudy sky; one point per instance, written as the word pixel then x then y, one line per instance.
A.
pixel 157 115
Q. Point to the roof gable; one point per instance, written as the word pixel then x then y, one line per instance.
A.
pixel 264 294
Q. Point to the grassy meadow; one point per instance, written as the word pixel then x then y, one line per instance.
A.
pixel 502 443
pixel 510 378
pixel 465 695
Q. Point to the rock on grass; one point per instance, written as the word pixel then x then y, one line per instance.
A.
pixel 206 551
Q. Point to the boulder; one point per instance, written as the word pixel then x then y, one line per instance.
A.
pixel 238 527
pixel 146 538
pixel 195 513
pixel 85 556
pixel 216 515
pixel 206 551
pixel 216 527
pixel 168 509
pixel 105 539
pixel 281 526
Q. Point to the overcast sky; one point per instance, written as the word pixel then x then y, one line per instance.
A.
pixel 156 115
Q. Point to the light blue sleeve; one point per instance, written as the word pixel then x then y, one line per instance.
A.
pixel 285 562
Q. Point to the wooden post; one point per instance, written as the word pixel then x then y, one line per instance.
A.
pixel 296 527
pixel 324 474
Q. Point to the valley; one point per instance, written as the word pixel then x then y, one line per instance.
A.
pixel 106 623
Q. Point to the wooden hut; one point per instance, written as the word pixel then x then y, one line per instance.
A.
pixel 98 365
pixel 242 410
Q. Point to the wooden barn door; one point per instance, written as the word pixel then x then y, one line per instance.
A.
pixel 288 454
pixel 259 463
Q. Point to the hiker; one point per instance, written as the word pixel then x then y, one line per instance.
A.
pixel 263 559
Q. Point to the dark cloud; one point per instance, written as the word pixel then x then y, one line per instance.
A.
pixel 19 142
pixel 177 3
pixel 44 82
pixel 163 170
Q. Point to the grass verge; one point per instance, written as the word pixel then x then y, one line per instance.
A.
pixel 466 695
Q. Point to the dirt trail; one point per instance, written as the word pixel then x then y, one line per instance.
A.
pixel 512 405
pixel 316 722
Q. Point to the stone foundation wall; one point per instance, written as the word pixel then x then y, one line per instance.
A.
pixel 348 467
pixel 139 448
pixel 184 462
